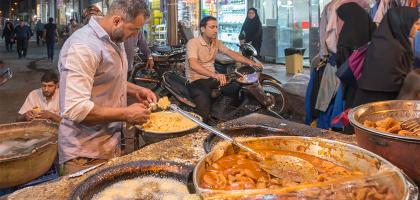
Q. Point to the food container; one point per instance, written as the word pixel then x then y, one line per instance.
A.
pixel 151 137
pixel 108 176
pixel 402 151
pixel 24 166
pixel 349 156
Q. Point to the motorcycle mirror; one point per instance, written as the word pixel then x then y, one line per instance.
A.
pixel 5 75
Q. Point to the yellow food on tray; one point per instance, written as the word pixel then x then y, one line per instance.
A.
pixel 389 125
pixel 164 122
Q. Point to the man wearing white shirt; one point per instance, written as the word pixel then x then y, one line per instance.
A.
pixel 42 103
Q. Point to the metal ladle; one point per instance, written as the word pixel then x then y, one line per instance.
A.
pixel 281 166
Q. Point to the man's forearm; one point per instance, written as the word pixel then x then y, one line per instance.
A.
pixel 240 58
pixel 132 89
pixel 104 115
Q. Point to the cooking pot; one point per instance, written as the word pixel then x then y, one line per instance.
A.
pixel 108 176
pixel 24 166
pixel 403 151
pixel 349 156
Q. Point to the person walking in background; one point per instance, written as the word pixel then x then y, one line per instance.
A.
pixel 90 11
pixel 8 35
pixel 252 30
pixel 39 29
pixel 22 35
pixel 390 55
pixel 73 26
pixel 50 37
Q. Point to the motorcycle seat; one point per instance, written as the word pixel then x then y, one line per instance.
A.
pixel 162 49
pixel 178 84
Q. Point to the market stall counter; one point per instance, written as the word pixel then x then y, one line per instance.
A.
pixel 186 150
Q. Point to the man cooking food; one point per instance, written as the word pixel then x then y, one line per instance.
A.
pixel 94 87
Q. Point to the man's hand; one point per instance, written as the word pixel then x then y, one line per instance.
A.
pixel 221 78
pixel 137 114
pixel 145 95
pixel 29 116
pixel 255 64
pixel 241 42
pixel 150 63
pixel 45 114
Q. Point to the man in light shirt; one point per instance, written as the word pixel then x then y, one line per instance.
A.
pixel 94 88
pixel 42 103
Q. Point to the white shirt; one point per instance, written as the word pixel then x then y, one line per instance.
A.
pixel 37 99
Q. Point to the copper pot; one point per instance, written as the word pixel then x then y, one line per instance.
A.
pixel 23 167
pixel 399 150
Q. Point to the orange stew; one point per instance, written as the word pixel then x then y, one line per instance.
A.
pixel 242 171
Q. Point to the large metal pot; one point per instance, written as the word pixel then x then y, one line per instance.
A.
pixel 108 176
pixel 22 168
pixel 399 150
pixel 347 155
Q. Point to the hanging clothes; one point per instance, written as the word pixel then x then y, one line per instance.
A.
pixel 383 7
pixel 335 24
pixel 417 50
pixel 374 9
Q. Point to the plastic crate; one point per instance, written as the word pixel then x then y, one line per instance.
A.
pixel 50 175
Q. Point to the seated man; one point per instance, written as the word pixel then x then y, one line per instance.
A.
pixel 200 71
pixel 42 103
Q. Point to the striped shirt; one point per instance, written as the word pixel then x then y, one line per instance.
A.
pixel 93 71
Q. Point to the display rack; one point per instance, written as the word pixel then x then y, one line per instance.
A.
pixel 231 15
pixel 160 33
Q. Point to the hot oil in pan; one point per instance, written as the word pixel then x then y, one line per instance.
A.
pixel 147 188
pixel 23 144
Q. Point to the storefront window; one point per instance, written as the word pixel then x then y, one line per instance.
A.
pixel 188 11
pixel 231 15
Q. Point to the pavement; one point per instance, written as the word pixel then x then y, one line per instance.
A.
pixel 27 76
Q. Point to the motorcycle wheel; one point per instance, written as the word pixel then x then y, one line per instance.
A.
pixel 278 93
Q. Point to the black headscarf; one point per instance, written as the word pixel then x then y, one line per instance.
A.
pixel 356 32
pixel 252 28
pixel 390 54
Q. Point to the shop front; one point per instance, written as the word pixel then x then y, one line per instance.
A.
pixel 290 24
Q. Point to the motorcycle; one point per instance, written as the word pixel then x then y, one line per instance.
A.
pixel 260 92
pixel 165 58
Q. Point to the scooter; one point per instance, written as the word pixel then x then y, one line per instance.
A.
pixel 260 92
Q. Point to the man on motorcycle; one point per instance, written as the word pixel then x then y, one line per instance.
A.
pixel 200 71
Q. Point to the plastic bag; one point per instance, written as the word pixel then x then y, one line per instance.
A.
pixel 297 85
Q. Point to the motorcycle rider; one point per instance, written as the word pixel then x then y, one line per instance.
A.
pixel 200 71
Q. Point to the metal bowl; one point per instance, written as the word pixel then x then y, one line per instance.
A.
pixel 102 179
pixel 26 166
pixel 399 150
pixel 350 156
pixel 151 137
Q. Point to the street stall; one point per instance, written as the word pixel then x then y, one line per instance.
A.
pixel 185 160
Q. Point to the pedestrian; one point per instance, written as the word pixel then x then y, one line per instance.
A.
pixel 130 46
pixel 39 29
pixel 50 36
pixel 390 55
pixel 252 30
pixel 94 87
pixel 8 36
pixel 73 26
pixel 22 35
pixel 90 11
pixel 357 31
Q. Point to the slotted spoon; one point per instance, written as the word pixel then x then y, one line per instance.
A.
pixel 281 166
pixel 412 125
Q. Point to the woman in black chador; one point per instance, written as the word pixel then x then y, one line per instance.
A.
pixel 252 30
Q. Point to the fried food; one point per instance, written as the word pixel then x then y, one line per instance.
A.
pixel 164 122
pixel 164 103
pixel 240 171
pixel 389 125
